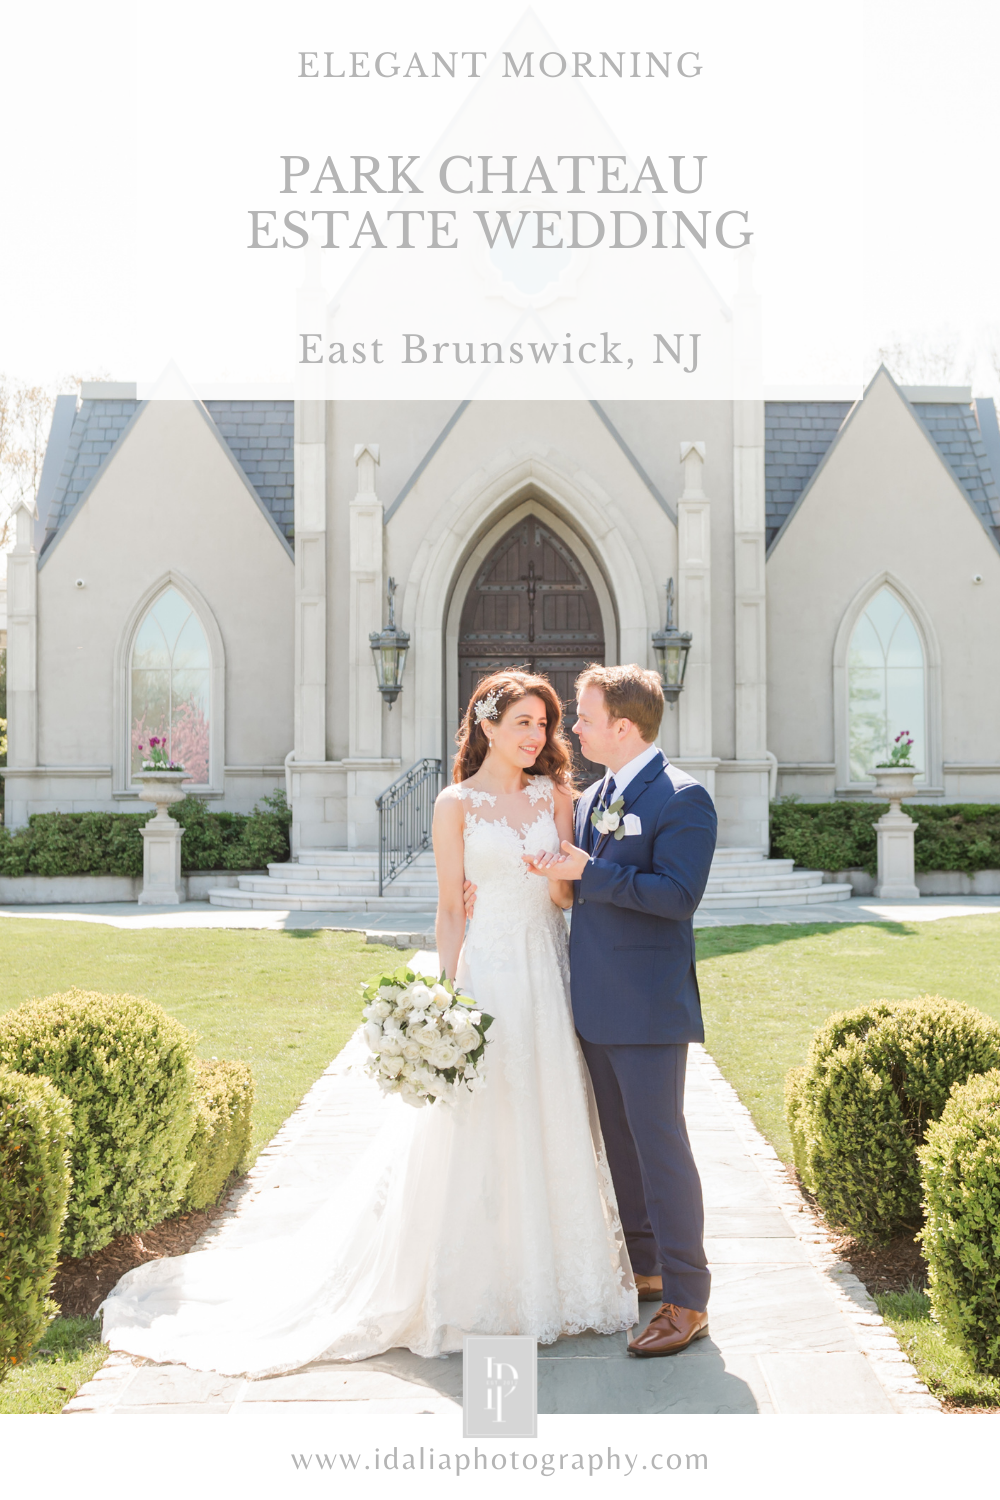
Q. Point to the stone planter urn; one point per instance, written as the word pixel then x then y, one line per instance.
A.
pixel 894 782
pixel 161 854
pixel 895 832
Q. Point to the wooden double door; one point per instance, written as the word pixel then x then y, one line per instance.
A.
pixel 532 606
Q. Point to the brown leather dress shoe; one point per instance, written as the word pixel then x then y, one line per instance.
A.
pixel 650 1288
pixel 671 1330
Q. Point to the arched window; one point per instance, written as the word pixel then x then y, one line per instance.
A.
pixel 170 685
pixel 885 685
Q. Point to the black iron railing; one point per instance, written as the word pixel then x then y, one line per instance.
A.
pixel 405 810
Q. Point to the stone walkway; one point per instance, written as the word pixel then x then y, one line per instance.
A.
pixel 792 1329
pixel 408 929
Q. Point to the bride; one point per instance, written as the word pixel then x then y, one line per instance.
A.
pixel 495 1214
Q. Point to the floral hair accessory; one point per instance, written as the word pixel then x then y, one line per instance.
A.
pixel 486 708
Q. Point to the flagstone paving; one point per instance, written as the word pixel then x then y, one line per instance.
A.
pixel 409 929
pixel 792 1329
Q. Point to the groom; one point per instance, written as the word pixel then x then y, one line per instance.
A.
pixel 645 836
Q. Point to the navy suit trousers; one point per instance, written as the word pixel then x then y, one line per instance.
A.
pixel 640 1098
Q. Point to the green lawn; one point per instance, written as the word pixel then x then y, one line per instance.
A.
pixel 67 1356
pixel 946 1370
pixel 285 1002
pixel 765 990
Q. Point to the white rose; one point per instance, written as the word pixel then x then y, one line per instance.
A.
pixel 468 1041
pixel 608 822
pixel 379 1009
pixel 387 991
pixel 391 1046
pixel 440 997
pixel 444 1055
pixel 392 1066
pixel 475 1018
pixel 420 996
pixel 373 1035
pixel 410 1050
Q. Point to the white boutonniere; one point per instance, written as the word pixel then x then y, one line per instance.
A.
pixel 609 819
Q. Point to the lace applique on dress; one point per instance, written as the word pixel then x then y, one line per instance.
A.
pixel 539 787
pixel 477 798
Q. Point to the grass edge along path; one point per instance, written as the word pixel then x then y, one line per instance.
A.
pixel 68 1354
pixel 945 1369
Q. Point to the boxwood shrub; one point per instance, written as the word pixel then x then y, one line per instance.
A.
pixel 95 843
pixel 960 1161
pixel 34 1186
pixel 221 1141
pixel 840 835
pixel 874 1080
pixel 126 1068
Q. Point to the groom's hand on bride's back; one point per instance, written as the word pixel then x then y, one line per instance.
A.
pixel 469 897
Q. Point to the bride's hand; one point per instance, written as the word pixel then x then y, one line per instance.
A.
pixel 569 864
pixel 546 864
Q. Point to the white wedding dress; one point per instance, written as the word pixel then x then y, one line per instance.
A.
pixel 492 1215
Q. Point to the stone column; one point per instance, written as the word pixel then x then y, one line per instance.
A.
pixel 22 662
pixel 694 612
pixel 894 831
pixel 367 592
pixel 310 580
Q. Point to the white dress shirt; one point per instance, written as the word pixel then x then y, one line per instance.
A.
pixel 630 770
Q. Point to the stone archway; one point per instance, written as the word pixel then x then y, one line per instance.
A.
pixel 531 604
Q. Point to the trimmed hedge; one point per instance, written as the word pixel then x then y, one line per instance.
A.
pixel 35 1122
pixel 961 1239
pixel 221 1141
pixel 127 1069
pixel 95 843
pixel 874 1080
pixel 840 835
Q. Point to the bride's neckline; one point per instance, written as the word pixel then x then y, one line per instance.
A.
pixel 537 788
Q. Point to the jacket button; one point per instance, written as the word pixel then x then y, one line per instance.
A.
pixel 582 901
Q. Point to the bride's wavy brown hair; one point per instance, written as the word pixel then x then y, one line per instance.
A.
pixel 555 758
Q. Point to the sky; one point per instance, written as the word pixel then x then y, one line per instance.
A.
pixel 84 116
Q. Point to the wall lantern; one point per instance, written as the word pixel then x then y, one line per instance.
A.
pixel 389 648
pixel 671 647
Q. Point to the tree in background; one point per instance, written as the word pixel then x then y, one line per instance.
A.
pixel 25 416
pixel 941 357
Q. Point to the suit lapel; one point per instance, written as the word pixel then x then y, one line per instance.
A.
pixel 634 791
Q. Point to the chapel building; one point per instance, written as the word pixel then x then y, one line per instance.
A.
pixel 212 571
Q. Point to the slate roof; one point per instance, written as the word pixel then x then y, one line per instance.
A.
pixel 261 437
pixel 259 434
pixel 798 434
pixel 956 435
pixel 96 429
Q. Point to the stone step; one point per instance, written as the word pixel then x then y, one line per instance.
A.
pixel 731 870
pixel 426 891
pixel 738 856
pixel 255 901
pixel 817 895
pixel 799 880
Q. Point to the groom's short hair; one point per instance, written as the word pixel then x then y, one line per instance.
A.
pixel 630 692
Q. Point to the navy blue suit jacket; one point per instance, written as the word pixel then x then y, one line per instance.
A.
pixel 632 964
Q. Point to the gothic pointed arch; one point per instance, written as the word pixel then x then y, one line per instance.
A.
pixel 886 673
pixel 170 682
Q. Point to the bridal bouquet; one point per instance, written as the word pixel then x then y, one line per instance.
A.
pixel 427 1042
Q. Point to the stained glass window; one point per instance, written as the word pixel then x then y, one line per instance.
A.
pixel 171 686
pixel 885 677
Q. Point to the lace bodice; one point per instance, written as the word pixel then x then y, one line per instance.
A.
pixel 510 898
